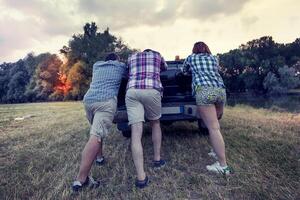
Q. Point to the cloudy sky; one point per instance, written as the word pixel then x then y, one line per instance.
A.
pixel 169 26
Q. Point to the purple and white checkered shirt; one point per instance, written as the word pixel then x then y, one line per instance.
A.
pixel 144 70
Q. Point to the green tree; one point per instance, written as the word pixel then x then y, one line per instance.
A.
pixel 83 51
pixel 32 62
pixel 296 66
pixel 281 84
pixel 291 52
pixel 17 84
pixel 288 78
pixel 4 80
pixel 253 61
pixel 272 85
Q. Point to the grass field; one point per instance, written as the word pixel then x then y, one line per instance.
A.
pixel 39 157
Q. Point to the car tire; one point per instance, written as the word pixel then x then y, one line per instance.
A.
pixel 126 134
pixel 166 123
pixel 202 129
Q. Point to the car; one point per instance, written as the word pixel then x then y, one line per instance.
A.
pixel 178 103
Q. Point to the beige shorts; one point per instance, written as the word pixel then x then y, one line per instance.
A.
pixel 141 103
pixel 100 115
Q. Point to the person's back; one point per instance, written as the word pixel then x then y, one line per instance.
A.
pixel 106 79
pixel 144 70
pixel 205 70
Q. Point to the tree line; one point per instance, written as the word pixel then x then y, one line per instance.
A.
pixel 261 66
pixel 51 77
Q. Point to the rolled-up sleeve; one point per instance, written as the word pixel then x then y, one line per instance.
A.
pixel 163 65
pixel 186 65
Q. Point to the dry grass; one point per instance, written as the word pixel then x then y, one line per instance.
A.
pixel 40 156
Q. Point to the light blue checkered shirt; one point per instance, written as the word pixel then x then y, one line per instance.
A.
pixel 205 70
pixel 106 80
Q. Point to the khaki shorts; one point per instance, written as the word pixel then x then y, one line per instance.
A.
pixel 141 103
pixel 100 115
pixel 210 96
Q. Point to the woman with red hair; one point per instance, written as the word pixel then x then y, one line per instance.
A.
pixel 209 90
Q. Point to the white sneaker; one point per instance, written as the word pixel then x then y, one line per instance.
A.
pixel 100 160
pixel 92 183
pixel 217 168
pixel 213 154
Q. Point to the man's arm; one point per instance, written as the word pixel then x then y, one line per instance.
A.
pixel 186 66
pixel 126 67
pixel 125 71
pixel 163 65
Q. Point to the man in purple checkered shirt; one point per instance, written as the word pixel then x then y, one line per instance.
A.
pixel 144 70
pixel 143 99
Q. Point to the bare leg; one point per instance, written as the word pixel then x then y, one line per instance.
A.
pixel 137 149
pixel 209 116
pixel 88 156
pixel 156 139
pixel 219 110
pixel 100 152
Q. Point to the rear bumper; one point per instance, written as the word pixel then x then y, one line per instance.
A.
pixel 170 112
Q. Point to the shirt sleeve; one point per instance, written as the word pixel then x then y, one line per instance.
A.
pixel 125 70
pixel 187 65
pixel 163 65
pixel 128 62
pixel 217 62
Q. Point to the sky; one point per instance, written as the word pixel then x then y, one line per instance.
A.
pixel 168 26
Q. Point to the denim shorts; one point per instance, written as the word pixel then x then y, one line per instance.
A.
pixel 210 96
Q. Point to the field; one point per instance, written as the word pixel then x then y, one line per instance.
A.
pixel 40 156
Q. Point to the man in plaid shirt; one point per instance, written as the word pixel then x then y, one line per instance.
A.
pixel 144 70
pixel 100 103
pixel 143 99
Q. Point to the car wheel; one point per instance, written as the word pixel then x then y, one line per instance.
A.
pixel 202 129
pixel 167 123
pixel 126 134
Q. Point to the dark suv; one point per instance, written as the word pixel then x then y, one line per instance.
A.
pixel 178 104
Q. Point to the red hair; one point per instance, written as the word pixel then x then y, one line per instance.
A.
pixel 201 47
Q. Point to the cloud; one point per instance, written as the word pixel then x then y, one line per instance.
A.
pixel 52 17
pixel 204 9
pixel 248 22
pixel 28 25
pixel 16 35
pixel 130 13
pixel 133 13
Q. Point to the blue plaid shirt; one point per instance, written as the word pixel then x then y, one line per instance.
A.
pixel 205 70
pixel 106 80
